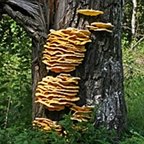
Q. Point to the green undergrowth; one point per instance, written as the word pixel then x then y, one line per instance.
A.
pixel 81 133
pixel 73 133
pixel 134 87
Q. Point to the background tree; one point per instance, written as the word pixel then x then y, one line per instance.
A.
pixel 132 23
pixel 101 72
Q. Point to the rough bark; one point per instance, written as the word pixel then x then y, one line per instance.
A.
pixel 101 72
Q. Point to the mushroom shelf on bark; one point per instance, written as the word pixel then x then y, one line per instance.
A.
pixel 56 93
pixel 100 26
pixel 89 12
pixel 81 113
pixel 47 124
pixel 65 49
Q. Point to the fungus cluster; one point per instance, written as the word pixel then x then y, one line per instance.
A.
pixel 81 113
pixel 96 26
pixel 47 124
pixel 100 26
pixel 57 92
pixel 65 49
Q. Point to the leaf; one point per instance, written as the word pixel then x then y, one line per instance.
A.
pixel 3 89
pixel 26 142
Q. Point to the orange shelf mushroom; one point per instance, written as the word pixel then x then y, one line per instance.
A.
pixel 90 12
pixel 100 26
pixel 47 124
pixel 57 92
pixel 65 49
pixel 81 113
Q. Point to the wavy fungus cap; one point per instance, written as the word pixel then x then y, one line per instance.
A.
pixel 65 49
pixel 81 113
pixel 56 93
pixel 97 29
pixel 89 12
pixel 47 124
pixel 102 25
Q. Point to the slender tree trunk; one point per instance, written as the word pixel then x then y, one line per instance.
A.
pixel 133 21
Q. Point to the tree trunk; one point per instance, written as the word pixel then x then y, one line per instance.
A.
pixel 101 72
pixel 133 20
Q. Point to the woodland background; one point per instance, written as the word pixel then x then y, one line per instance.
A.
pixel 15 87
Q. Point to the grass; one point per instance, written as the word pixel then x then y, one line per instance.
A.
pixel 134 87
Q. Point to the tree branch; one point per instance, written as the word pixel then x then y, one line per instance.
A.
pixel 137 43
pixel 29 14
pixel 7 112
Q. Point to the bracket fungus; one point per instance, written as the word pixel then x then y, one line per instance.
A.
pixel 65 49
pixel 89 12
pixel 81 113
pixel 57 92
pixel 47 124
pixel 100 26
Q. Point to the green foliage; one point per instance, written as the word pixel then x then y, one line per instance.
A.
pixel 78 133
pixel 135 138
pixel 75 133
pixel 86 132
pixel 139 20
pixel 135 100
pixel 15 135
pixel 15 74
pixel 134 90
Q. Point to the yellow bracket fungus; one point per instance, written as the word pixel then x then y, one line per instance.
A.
pixel 81 113
pixel 47 124
pixel 65 49
pixel 102 25
pixel 89 12
pixel 55 93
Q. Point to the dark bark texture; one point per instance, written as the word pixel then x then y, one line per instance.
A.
pixel 101 72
